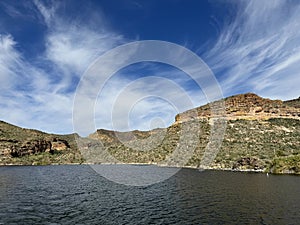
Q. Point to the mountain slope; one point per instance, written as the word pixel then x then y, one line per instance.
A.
pixel 261 134
pixel 27 146
pixel 293 103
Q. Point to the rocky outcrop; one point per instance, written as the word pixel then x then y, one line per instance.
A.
pixel 105 136
pixel 18 142
pixel 6 146
pixel 36 146
pixel 30 147
pixel 247 106
pixel 59 145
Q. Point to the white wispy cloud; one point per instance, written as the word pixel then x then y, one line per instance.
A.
pixel 26 94
pixel 35 96
pixel 258 49
pixel 47 13
pixel 71 45
pixel 43 98
pixel 133 104
pixel 9 59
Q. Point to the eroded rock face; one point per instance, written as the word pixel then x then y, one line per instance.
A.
pixel 247 106
pixel 5 147
pixel 30 147
pixel 105 136
pixel 59 144
pixel 35 146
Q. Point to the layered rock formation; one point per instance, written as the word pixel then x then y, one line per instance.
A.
pixel 19 142
pixel 247 106
pixel 30 147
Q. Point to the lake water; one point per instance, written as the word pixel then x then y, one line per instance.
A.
pixel 78 195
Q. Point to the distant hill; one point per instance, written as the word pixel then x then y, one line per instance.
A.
pixel 293 103
pixel 261 135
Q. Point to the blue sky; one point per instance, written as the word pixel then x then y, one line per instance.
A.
pixel 45 47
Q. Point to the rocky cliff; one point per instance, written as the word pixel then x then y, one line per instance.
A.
pixel 248 106
pixel 18 143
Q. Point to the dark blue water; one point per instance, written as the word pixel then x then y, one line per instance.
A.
pixel 78 195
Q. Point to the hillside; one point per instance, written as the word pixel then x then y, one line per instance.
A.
pixel 261 134
pixel 293 103
pixel 21 146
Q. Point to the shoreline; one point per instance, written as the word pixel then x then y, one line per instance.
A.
pixel 160 165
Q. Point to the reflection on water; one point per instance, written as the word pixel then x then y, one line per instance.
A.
pixel 78 195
